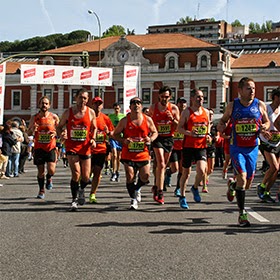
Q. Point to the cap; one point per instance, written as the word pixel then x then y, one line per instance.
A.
pixel 182 99
pixel 96 99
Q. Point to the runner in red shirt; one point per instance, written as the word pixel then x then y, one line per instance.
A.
pixel 104 128
pixel 43 126
pixel 139 132
pixel 78 127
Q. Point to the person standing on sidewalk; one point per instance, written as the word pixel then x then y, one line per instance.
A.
pixel 104 128
pixel 249 118
pixel 136 132
pixel 195 125
pixel 116 147
pixel 43 126
pixel 78 128
pixel 165 116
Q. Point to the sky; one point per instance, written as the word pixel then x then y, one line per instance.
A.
pixel 24 19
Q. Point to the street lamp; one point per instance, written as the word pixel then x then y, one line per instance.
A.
pixel 99 27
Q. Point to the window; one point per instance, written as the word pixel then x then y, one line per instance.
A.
pixel 174 94
pixel 120 96
pixel 72 96
pixel 48 60
pixel 268 92
pixel 203 61
pixel 205 94
pixel 146 95
pixel 16 96
pixel 48 92
pixel 171 62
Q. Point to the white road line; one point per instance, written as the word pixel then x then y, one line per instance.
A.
pixel 256 215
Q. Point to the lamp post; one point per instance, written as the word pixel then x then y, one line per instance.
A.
pixel 99 28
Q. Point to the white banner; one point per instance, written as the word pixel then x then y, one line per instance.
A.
pixel 130 85
pixel 66 75
pixel 2 90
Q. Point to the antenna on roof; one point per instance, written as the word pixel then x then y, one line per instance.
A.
pixel 198 6
pixel 227 11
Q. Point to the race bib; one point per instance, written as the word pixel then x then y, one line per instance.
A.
pixel 44 138
pixel 100 138
pixel 246 128
pixel 164 128
pixel 136 147
pixel 275 137
pixel 178 136
pixel 78 134
pixel 201 130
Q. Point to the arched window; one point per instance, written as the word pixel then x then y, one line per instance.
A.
pixel 203 61
pixel 171 62
pixel 48 60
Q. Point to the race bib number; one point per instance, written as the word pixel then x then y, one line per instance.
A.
pixel 200 130
pixel 44 138
pixel 246 128
pixel 275 137
pixel 78 134
pixel 136 147
pixel 164 128
pixel 100 138
pixel 178 136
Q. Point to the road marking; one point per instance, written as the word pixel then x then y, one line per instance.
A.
pixel 256 215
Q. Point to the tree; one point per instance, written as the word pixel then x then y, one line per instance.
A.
pixel 130 32
pixel 115 30
pixel 236 23
pixel 184 20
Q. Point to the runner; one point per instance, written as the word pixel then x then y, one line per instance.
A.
pixel 43 126
pixel 195 125
pixel 104 128
pixel 78 128
pixel 138 132
pixel 249 117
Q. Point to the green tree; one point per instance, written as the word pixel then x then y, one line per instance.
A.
pixel 236 23
pixel 115 30
pixel 184 20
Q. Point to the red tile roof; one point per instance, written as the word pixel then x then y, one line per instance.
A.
pixel 12 67
pixel 256 60
pixel 146 41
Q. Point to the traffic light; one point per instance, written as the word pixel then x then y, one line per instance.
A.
pixel 85 59
pixel 223 106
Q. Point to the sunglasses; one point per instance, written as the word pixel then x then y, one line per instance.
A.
pixel 134 102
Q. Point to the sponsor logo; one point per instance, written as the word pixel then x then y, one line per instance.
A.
pixel 1 68
pixel 130 92
pixel 103 76
pixel 131 73
pixel 86 75
pixel 0 90
pixel 67 74
pixel 29 73
pixel 48 74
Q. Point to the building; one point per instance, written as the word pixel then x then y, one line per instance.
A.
pixel 178 60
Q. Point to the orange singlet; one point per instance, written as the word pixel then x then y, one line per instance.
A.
pixel 42 137
pixel 78 134
pixel 199 123
pixel 162 122
pixel 136 150
pixel 101 122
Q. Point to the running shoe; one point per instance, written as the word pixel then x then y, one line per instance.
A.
pixel 41 195
pixel 231 190
pixel 267 198
pixel 49 184
pixel 183 203
pixel 260 191
pixel 117 176
pixel 243 220
pixel 196 195
pixel 205 189
pixel 133 204
pixel 177 192
pixel 113 177
pixel 160 198
pixel 155 193
pixel 81 196
pixel 92 198
pixel 74 205
pixel 224 175
pixel 138 195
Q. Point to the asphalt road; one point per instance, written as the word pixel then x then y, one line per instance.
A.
pixel 41 239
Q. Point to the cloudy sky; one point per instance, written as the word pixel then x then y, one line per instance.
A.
pixel 26 19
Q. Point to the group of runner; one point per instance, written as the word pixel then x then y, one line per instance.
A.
pixel 178 135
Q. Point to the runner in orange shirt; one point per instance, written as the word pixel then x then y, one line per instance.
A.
pixel 43 126
pixel 78 128
pixel 139 132
pixel 98 154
